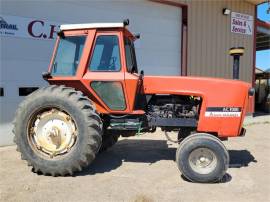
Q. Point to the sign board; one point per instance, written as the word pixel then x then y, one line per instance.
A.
pixel 241 23
pixel 14 26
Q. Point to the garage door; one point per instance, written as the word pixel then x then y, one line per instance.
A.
pixel 159 48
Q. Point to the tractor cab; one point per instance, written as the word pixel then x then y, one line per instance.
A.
pixel 100 58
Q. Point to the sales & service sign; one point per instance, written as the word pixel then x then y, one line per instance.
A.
pixel 241 23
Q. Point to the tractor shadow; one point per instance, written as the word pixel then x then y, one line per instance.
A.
pixel 151 151
pixel 240 158
pixel 130 150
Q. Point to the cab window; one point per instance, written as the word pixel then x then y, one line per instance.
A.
pixel 130 56
pixel 111 93
pixel 106 55
pixel 69 52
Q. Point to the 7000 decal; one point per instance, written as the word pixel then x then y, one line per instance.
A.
pixel 223 112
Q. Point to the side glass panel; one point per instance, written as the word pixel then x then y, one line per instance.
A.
pixel 111 93
pixel 106 55
pixel 68 56
pixel 130 56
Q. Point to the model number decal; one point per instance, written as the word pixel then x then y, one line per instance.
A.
pixel 223 112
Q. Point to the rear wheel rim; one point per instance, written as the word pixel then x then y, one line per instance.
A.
pixel 202 160
pixel 52 132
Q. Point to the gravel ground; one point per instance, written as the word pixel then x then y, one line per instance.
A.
pixel 142 168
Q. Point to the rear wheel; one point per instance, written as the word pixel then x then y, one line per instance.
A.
pixel 57 130
pixel 202 158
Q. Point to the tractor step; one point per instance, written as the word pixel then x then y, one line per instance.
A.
pixel 125 124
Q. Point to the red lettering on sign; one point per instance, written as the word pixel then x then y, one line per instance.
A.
pixel 30 28
pixel 237 22
pixel 52 31
pixel 238 30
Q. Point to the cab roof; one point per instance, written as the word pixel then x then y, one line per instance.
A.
pixel 91 26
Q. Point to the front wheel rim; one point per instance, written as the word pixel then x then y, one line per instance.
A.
pixel 52 132
pixel 202 160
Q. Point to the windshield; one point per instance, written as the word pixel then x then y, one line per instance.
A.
pixel 130 56
pixel 68 56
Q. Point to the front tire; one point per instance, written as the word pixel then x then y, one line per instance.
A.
pixel 202 158
pixel 57 130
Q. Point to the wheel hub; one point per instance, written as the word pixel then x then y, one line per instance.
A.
pixel 202 160
pixel 53 132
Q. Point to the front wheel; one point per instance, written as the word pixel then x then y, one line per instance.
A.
pixel 202 158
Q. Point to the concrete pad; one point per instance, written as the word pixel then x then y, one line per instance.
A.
pixel 142 168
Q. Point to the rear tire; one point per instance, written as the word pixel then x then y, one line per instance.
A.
pixel 81 122
pixel 202 158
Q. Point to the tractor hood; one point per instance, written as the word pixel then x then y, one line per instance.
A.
pixel 223 101
pixel 216 91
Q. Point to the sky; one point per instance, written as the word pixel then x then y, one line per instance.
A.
pixel 263 57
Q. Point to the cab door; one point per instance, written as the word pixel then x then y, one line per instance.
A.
pixel 133 85
pixel 104 76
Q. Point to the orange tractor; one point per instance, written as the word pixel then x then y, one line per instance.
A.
pixel 96 94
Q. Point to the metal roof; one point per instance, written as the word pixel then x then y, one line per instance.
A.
pixel 256 2
pixel 91 26
pixel 262 35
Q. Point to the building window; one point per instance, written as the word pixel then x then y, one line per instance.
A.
pixel 1 92
pixel 24 91
pixel 106 56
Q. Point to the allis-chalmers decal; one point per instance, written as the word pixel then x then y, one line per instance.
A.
pixel 223 112
pixel 15 26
